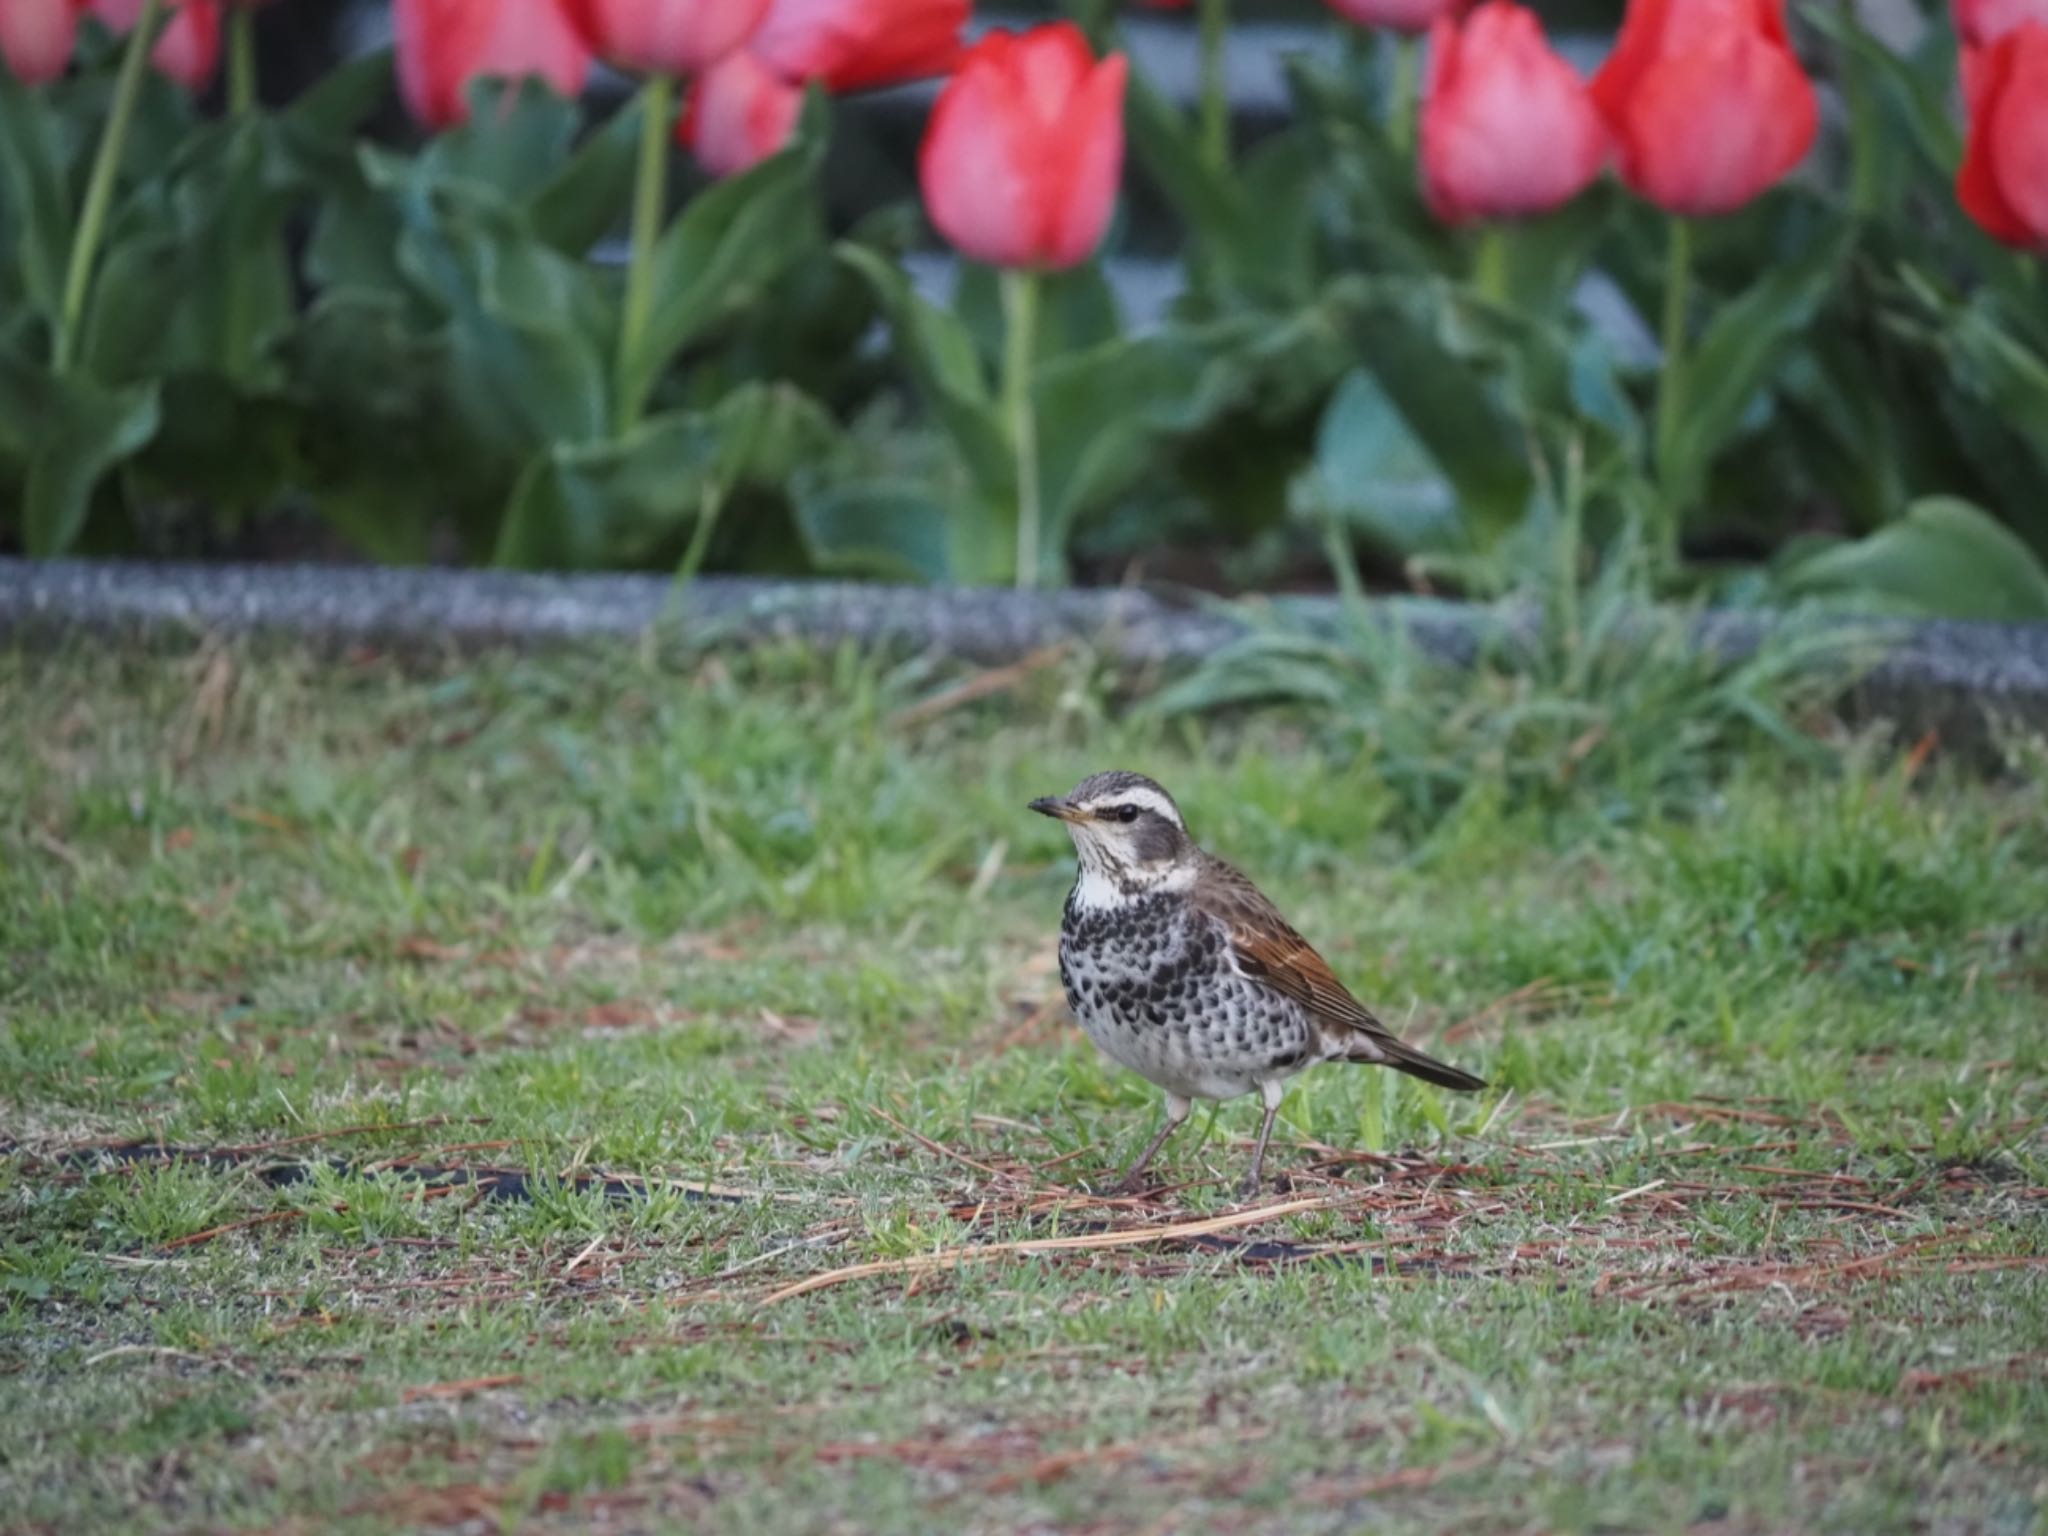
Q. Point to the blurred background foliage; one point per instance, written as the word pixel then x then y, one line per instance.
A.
pixel 316 333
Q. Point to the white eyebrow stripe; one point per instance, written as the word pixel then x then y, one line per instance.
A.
pixel 1146 799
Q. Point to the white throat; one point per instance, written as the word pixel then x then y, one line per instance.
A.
pixel 1096 890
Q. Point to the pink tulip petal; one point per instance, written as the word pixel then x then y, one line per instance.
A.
pixel 1979 22
pixel 2003 183
pixel 1023 153
pixel 1507 127
pixel 1710 129
pixel 1089 162
pixel 740 113
pixel 976 188
pixel 855 44
pixel 673 37
pixel 1414 16
pixel 37 36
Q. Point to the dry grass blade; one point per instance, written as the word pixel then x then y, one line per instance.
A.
pixel 974 1253
pixel 443 1389
pixel 933 1147
pixel 982 685
pixel 233 1226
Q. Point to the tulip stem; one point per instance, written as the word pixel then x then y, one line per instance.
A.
pixel 99 191
pixel 650 207
pixel 1214 16
pixel 241 60
pixel 1020 326
pixel 1671 386
pixel 1490 264
pixel 1865 131
pixel 1401 94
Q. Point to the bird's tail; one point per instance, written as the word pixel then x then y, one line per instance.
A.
pixel 1402 1057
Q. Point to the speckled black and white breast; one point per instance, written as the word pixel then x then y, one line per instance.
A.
pixel 1151 981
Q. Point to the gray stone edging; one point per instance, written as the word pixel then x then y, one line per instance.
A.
pixel 1952 676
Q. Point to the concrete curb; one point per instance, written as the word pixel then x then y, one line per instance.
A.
pixel 1959 678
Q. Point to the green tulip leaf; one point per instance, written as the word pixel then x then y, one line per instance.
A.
pixel 68 432
pixel 941 355
pixel 515 141
pixel 217 240
pixel 1547 256
pixel 1252 226
pixel 384 450
pixel 1377 214
pixel 524 327
pixel 630 499
pixel 35 207
pixel 1076 310
pixel 1374 475
pixel 1209 201
pixel 1916 88
pixel 1736 357
pixel 893 530
pixel 1102 412
pixel 338 103
pixel 1408 334
pixel 1945 559
pixel 589 196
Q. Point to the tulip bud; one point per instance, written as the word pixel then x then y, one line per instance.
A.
pixel 444 45
pixel 852 45
pixel 1025 148
pixel 1508 128
pixel 37 36
pixel 188 50
pixel 1981 22
pixel 1707 103
pixel 740 112
pixel 665 37
pixel 1411 16
pixel 2003 183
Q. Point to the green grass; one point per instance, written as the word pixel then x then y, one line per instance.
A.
pixel 1749 1236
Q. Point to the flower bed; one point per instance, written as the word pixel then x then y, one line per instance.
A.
pixel 218 314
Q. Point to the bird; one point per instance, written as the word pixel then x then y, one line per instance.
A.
pixel 1180 969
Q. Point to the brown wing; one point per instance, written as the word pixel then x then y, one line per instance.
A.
pixel 1269 951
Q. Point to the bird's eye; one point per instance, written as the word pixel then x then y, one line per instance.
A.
pixel 1125 812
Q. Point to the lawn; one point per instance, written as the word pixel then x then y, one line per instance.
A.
pixel 634 1093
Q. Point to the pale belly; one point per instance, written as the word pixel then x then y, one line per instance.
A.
pixel 1151 988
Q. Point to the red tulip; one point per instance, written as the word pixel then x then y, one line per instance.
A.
pixel 2003 184
pixel 1411 16
pixel 1025 147
pixel 665 37
pixel 1979 22
pixel 1508 128
pixel 444 45
pixel 854 44
pixel 740 112
pixel 1707 102
pixel 36 37
pixel 188 51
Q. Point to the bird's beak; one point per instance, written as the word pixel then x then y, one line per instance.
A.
pixel 1052 805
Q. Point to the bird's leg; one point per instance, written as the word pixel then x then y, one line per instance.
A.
pixel 1273 1091
pixel 1177 1109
